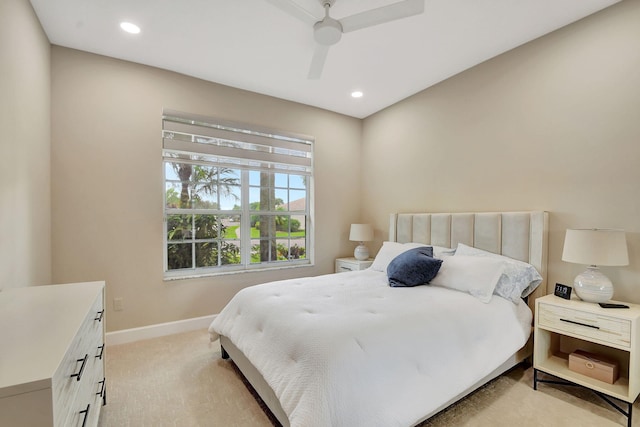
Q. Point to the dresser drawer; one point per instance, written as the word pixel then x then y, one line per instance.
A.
pixel 586 325
pixel 85 409
pixel 77 372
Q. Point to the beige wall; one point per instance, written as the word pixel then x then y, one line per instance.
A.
pixel 25 227
pixel 107 181
pixel 553 125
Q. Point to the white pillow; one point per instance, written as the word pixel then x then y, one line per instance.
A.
pixel 478 276
pixel 389 251
pixel 519 278
pixel 441 251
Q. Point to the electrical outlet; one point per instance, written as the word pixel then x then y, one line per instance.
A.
pixel 118 304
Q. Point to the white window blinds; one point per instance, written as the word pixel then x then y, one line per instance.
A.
pixel 200 138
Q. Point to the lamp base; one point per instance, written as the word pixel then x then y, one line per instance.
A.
pixel 593 286
pixel 361 253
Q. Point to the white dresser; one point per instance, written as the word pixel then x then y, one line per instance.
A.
pixel 52 355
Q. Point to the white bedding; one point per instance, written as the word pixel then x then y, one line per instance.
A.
pixel 348 350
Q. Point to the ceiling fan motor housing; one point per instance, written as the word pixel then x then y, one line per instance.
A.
pixel 328 31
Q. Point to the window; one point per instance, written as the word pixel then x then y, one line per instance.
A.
pixel 236 197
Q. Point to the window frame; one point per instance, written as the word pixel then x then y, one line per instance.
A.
pixel 244 167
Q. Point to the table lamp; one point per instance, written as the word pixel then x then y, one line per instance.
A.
pixel 361 233
pixel 595 247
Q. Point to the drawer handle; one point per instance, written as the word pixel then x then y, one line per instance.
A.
pixel 99 316
pixel 99 356
pixel 581 324
pixel 102 387
pixel 346 268
pixel 78 375
pixel 86 414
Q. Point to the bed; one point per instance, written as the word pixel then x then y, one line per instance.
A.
pixel 348 349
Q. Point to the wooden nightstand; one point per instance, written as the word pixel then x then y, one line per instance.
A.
pixel 563 326
pixel 351 264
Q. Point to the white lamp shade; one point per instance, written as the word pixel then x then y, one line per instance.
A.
pixel 595 247
pixel 361 233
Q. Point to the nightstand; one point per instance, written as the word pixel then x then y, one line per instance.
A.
pixel 351 264
pixel 563 326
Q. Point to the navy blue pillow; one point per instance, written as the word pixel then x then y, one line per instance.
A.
pixel 413 267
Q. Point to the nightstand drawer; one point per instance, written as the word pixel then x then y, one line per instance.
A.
pixel 341 268
pixel 351 264
pixel 593 326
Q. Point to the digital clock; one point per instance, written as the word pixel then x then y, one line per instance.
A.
pixel 563 291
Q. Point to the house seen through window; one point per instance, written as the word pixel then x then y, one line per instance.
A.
pixel 236 197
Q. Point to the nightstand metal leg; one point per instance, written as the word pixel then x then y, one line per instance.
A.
pixel 603 396
pixel 626 413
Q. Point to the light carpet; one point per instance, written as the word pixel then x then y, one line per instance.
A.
pixel 180 380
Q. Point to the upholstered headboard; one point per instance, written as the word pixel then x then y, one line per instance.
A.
pixel 518 235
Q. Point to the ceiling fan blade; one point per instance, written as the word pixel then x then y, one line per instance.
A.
pixel 295 10
pixel 317 62
pixel 380 15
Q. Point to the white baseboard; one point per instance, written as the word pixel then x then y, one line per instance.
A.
pixel 153 331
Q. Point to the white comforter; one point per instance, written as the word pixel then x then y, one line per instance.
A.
pixel 348 350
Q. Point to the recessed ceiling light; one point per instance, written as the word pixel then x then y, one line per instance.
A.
pixel 357 94
pixel 129 27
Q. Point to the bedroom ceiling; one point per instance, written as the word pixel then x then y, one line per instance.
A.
pixel 252 45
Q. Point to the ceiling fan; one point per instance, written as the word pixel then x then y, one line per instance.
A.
pixel 328 31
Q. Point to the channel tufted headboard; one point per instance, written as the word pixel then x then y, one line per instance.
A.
pixel 519 235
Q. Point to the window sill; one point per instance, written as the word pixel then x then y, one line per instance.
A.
pixel 230 272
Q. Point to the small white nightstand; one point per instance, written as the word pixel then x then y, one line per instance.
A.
pixel 563 326
pixel 351 264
